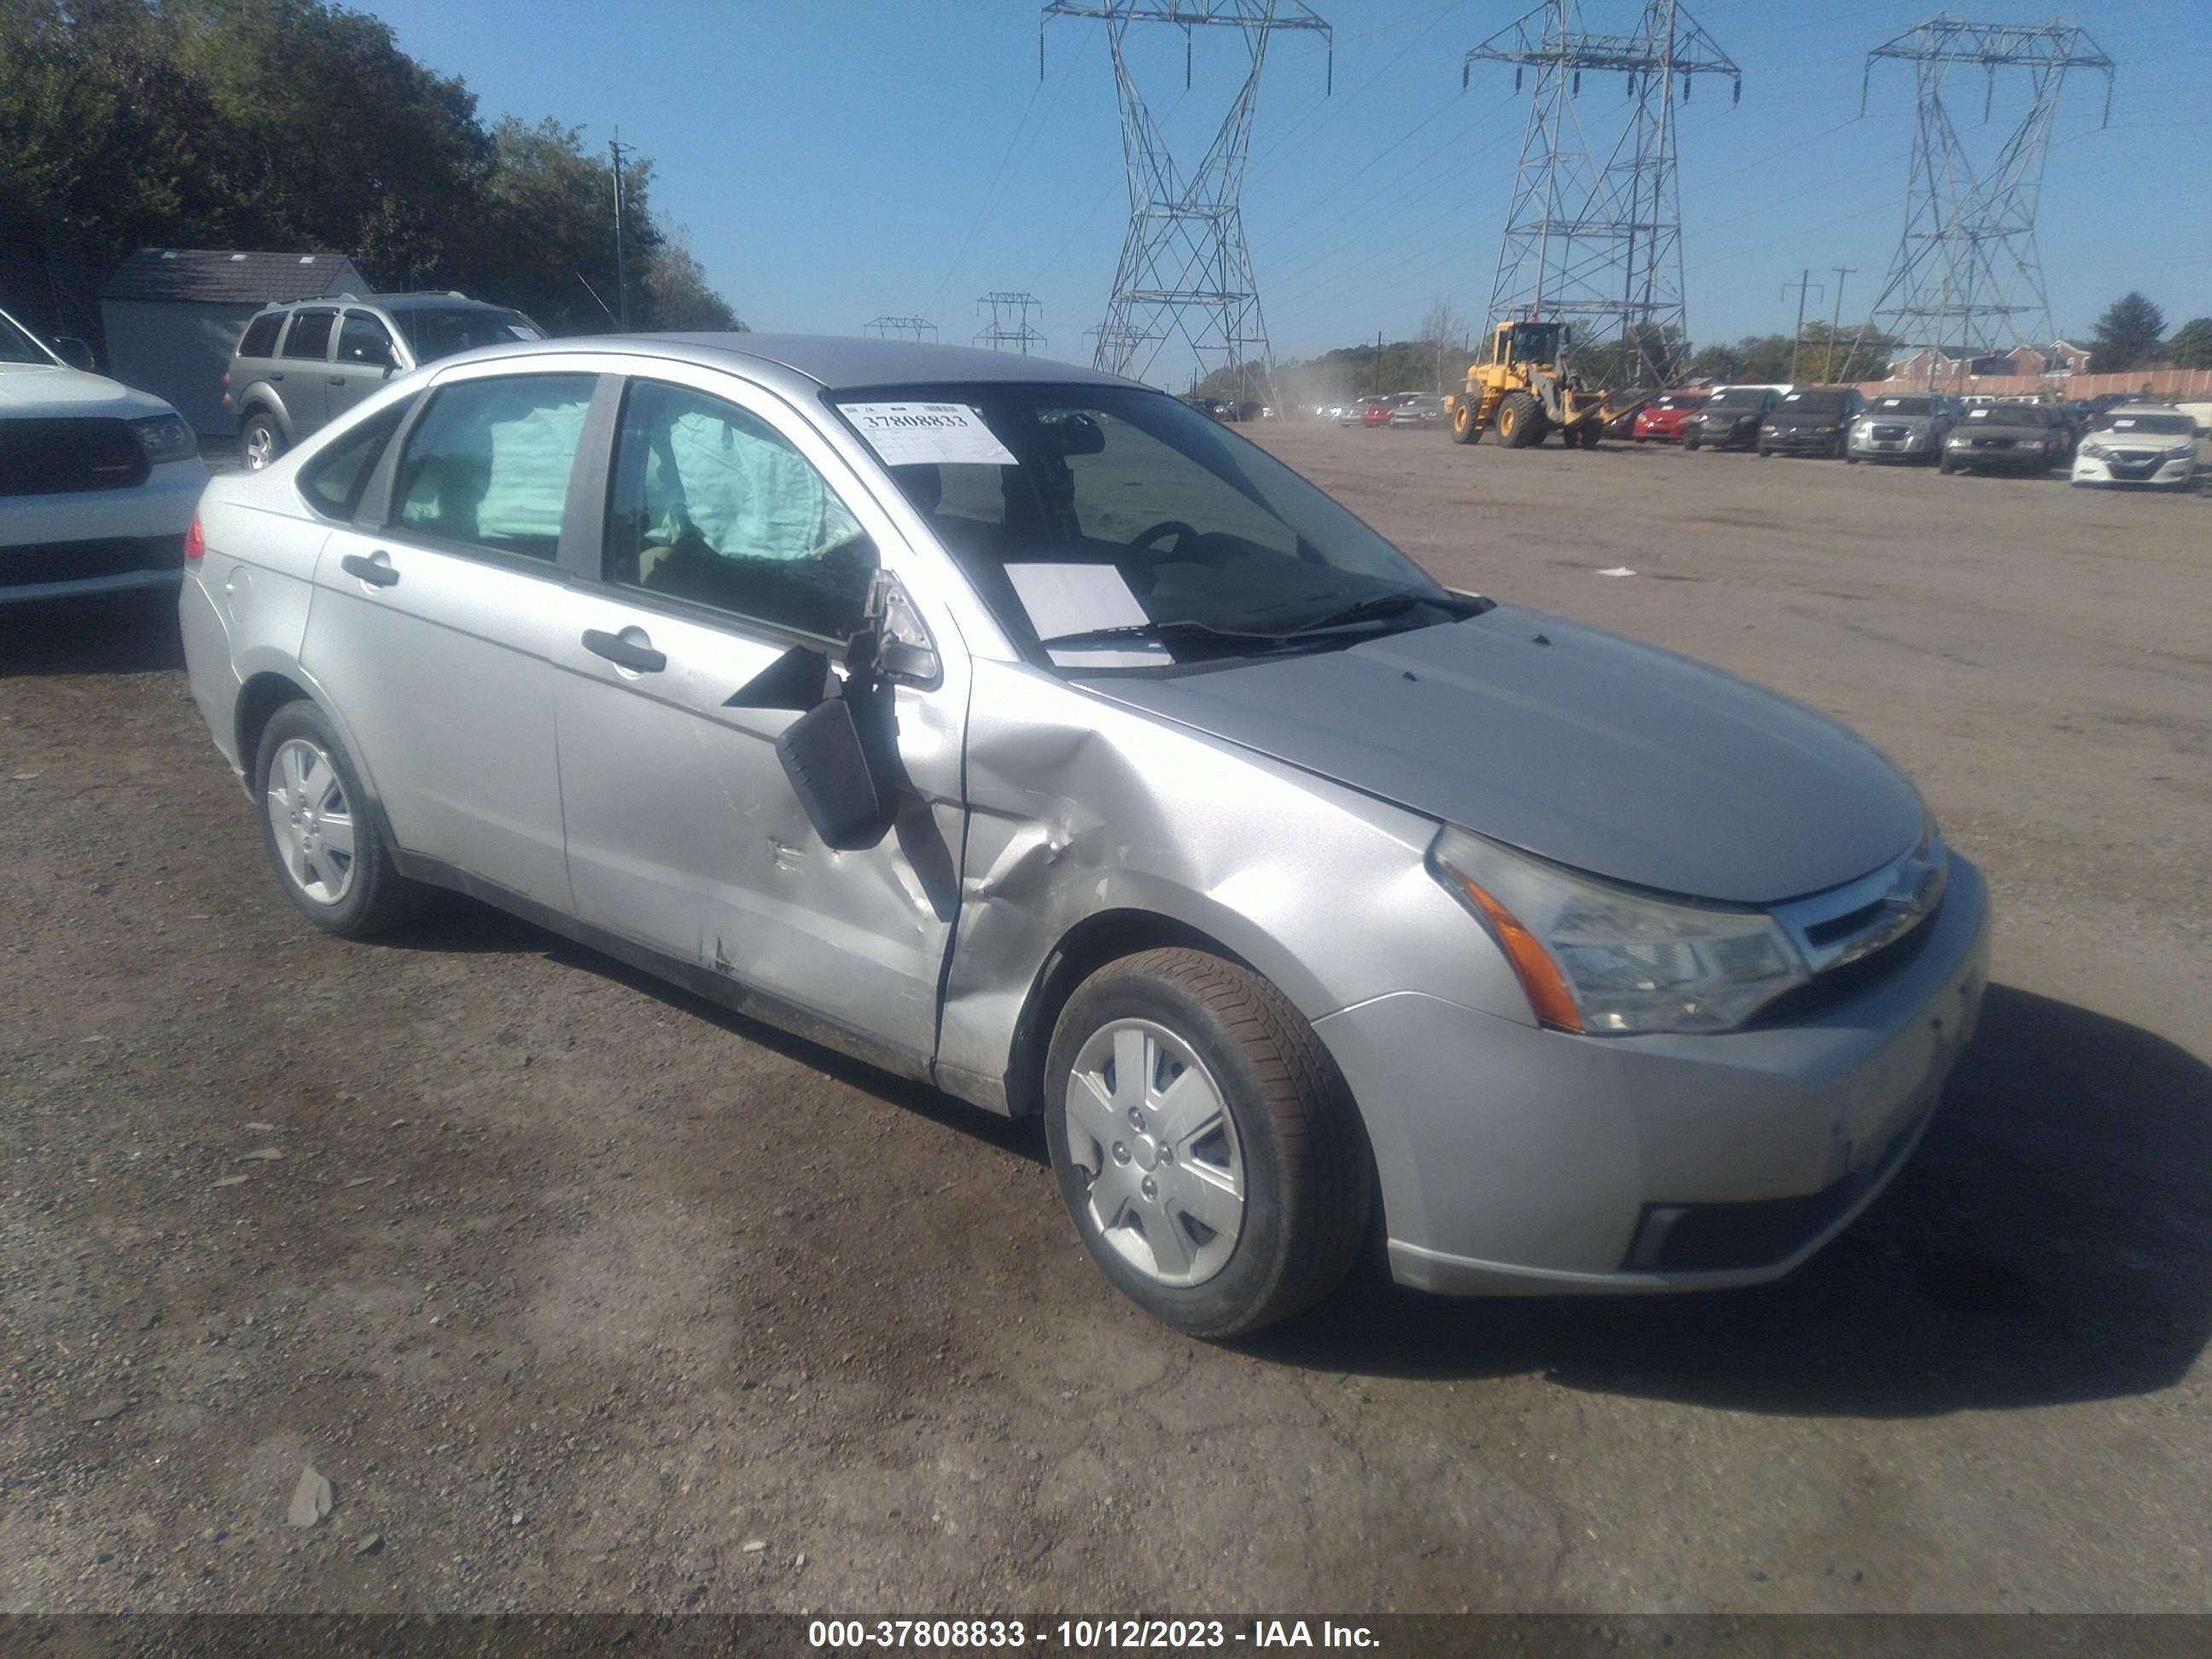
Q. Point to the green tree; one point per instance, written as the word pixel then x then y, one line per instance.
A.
pixel 2127 335
pixel 2192 345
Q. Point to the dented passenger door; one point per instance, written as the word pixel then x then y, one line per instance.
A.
pixel 736 560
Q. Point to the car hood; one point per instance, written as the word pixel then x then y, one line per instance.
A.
pixel 1795 417
pixel 29 389
pixel 1575 744
pixel 1725 414
pixel 1916 422
pixel 2110 439
pixel 2000 428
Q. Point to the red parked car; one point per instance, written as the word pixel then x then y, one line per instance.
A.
pixel 1376 411
pixel 1663 417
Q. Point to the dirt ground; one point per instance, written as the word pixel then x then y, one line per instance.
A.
pixel 584 1295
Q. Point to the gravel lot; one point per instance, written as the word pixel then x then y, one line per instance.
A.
pixel 582 1294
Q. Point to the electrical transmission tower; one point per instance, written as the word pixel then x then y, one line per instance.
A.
pixel 1185 272
pixel 901 328
pixel 1009 328
pixel 1966 280
pixel 1600 241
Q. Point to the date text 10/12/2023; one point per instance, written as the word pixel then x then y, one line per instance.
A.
pixel 1086 1634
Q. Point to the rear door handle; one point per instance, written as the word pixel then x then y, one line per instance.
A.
pixel 277 374
pixel 337 379
pixel 377 571
pixel 635 654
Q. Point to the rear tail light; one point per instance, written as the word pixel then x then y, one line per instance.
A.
pixel 195 541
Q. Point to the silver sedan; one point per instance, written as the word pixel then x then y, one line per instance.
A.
pixel 1022 730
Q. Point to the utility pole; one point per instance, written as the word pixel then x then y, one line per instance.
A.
pixel 1594 226
pixel 1185 271
pixel 1836 324
pixel 618 149
pixel 1798 340
pixel 1967 278
pixel 1378 363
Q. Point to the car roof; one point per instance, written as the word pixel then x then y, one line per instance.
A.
pixel 840 361
pixel 391 302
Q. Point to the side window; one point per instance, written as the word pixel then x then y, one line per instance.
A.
pixel 333 482
pixel 310 334
pixel 260 339
pixel 364 341
pixel 488 464
pixel 709 503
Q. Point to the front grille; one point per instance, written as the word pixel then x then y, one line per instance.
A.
pixel 1889 434
pixel 69 561
pixel 62 457
pixel 1993 443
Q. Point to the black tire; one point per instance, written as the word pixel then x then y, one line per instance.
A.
pixel 1308 1174
pixel 260 440
pixel 1588 434
pixel 1519 422
pixel 1944 466
pixel 376 898
pixel 1843 450
pixel 1690 443
pixel 1463 428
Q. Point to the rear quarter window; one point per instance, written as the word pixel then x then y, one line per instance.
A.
pixel 333 483
pixel 260 339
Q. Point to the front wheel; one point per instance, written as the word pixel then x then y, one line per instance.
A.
pixel 1205 1146
pixel 1464 430
pixel 1690 443
pixel 1945 467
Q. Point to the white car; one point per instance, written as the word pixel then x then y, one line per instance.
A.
pixel 97 481
pixel 2146 444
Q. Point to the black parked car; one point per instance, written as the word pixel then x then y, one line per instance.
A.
pixel 1730 418
pixel 1811 420
pixel 2006 438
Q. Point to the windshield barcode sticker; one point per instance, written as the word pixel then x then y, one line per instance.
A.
pixel 911 434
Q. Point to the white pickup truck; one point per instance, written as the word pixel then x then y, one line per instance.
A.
pixel 97 481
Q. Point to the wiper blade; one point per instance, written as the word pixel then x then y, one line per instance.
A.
pixel 1179 629
pixel 1373 608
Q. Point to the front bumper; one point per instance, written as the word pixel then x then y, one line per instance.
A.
pixel 1798 440
pixel 1744 436
pixel 2178 474
pixel 1913 446
pixel 1516 1160
pixel 102 541
pixel 1999 460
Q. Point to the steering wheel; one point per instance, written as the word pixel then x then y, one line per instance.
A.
pixel 1143 540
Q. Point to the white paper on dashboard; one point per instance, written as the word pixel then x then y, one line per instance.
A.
pixel 1073 598
pixel 921 434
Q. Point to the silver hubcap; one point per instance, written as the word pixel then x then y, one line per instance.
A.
pixel 1147 1123
pixel 314 824
pixel 260 448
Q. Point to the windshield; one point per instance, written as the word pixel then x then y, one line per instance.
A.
pixel 2169 426
pixel 1678 400
pixel 1737 397
pixel 1083 509
pixel 16 345
pixel 1904 406
pixel 2010 415
pixel 436 334
pixel 1811 402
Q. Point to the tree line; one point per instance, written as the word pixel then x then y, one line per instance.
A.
pixel 299 123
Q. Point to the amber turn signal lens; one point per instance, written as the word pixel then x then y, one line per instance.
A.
pixel 1539 974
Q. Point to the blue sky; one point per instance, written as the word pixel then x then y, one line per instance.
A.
pixel 834 160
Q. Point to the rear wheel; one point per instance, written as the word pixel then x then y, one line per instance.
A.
pixel 1463 428
pixel 259 440
pixel 1519 422
pixel 1205 1146
pixel 317 829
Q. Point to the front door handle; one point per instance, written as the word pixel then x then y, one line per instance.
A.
pixel 337 379
pixel 277 374
pixel 635 654
pixel 377 572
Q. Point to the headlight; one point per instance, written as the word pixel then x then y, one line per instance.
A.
pixel 1823 432
pixel 165 438
pixel 2091 446
pixel 1605 959
pixel 2186 452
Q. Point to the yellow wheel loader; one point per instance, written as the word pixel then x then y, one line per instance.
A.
pixel 1521 390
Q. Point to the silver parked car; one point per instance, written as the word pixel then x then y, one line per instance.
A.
pixel 1024 731
pixel 1903 426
